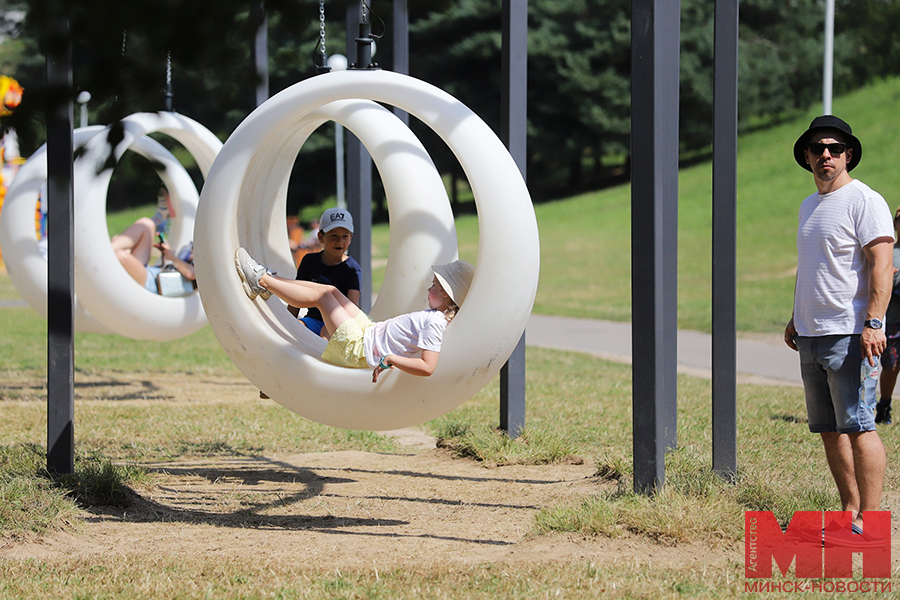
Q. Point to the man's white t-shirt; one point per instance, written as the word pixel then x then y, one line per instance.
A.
pixel 832 293
pixel 405 335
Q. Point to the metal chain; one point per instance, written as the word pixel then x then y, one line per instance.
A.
pixel 363 11
pixel 322 26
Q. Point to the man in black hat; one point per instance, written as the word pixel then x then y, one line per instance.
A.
pixel 844 277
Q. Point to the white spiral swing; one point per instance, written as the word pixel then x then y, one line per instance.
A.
pixel 25 262
pixel 242 204
pixel 102 285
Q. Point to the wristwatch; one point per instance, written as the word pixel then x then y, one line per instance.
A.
pixel 874 324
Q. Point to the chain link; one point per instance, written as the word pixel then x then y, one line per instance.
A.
pixel 363 11
pixel 322 26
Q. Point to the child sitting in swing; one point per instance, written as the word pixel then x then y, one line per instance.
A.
pixel 411 342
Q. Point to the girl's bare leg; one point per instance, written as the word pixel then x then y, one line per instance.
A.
pixel 132 248
pixel 334 306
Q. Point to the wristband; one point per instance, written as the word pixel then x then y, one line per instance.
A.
pixel 384 366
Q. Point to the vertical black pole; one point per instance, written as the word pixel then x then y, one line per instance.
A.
pixel 401 47
pixel 359 183
pixel 60 254
pixel 260 49
pixel 513 130
pixel 724 232
pixel 655 32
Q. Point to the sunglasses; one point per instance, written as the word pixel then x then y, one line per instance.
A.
pixel 836 148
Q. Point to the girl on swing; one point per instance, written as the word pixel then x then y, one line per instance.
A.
pixel 411 342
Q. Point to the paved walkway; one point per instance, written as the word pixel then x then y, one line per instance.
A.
pixel 758 360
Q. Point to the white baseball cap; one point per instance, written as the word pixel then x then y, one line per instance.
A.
pixel 455 278
pixel 336 217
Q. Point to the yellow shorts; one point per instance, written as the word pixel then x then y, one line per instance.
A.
pixel 346 347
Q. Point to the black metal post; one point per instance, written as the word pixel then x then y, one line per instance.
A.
pixel 60 245
pixel 401 47
pixel 655 33
pixel 514 112
pixel 724 233
pixel 363 41
pixel 359 184
pixel 260 49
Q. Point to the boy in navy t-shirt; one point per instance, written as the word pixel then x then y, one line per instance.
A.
pixel 331 266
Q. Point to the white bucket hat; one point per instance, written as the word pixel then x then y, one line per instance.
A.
pixel 455 278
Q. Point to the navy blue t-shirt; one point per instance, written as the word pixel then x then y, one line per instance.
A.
pixel 344 276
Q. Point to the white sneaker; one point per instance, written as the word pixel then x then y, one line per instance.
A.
pixel 250 271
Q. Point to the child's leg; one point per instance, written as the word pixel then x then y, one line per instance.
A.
pixel 334 306
pixel 137 239
pixel 132 248
pixel 133 266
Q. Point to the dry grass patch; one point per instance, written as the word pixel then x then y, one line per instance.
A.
pixel 202 577
pixel 487 444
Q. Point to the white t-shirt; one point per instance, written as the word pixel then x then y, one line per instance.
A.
pixel 832 293
pixel 405 335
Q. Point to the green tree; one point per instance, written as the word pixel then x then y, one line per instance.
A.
pixel 578 79
pixel 867 41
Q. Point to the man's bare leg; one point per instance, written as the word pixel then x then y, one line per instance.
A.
pixel 869 464
pixel 839 452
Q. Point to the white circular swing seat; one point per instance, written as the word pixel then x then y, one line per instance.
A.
pixel 27 265
pixel 242 204
pixel 102 284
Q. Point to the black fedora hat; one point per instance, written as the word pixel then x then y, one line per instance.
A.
pixel 828 122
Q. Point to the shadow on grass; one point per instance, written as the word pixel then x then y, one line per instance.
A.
pixel 451 477
pixel 789 418
pixel 145 390
pixel 251 491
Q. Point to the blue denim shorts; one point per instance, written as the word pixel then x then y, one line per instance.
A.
pixel 150 283
pixel 839 384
